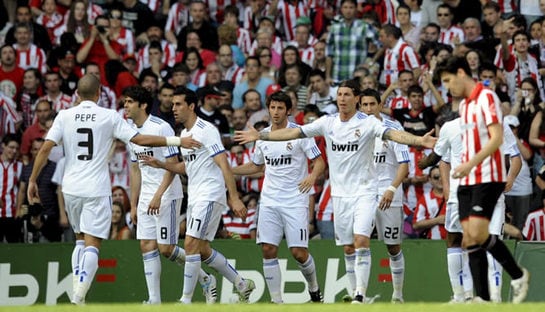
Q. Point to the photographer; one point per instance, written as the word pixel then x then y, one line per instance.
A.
pixel 41 221
pixel 99 48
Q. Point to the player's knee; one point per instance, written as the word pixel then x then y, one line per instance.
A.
pixel 393 249
pixel 269 251
pixel 349 249
pixel 166 250
pixel 299 254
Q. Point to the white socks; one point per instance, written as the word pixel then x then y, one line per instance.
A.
pixel 191 274
pixel 152 272
pixel 218 262
pixel 349 263
pixel 77 253
pixel 455 272
pixel 273 278
pixel 362 269
pixel 309 272
pixel 88 268
pixel 397 267
pixel 494 278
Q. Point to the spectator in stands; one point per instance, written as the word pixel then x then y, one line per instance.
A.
pixel 156 62
pixel 229 70
pixel 76 23
pixel 154 33
pixel 321 93
pixel 198 23
pixel 10 225
pixel 417 119
pixel 50 18
pixel 286 14
pixel 11 75
pixel 410 31
pixel 212 75
pixel 429 215
pixel 528 103
pixel 37 130
pixel 181 76
pixel 178 17
pixel 534 229
pixel 39 35
pixel 319 56
pixel 119 230
pixel 28 54
pixel 419 17
pixel 149 80
pixel 192 59
pixel 32 90
pixel 227 35
pixel 119 33
pixel 268 69
pixel 68 72
pixel 208 110
pixel 265 38
pixel 137 17
pixel 349 43
pixel 491 17
pixel 399 99
pixel 253 81
pixel 304 41
pixel 162 106
pixel 450 32
pixel 53 93
pixel 291 56
pixel 399 55
pixel 474 60
pixel 244 39
pixel 99 48
pixel 430 33
pixel 119 194
pixel 253 14
pixel 108 96
pixel 294 80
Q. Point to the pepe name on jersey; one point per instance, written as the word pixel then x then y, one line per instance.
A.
pixel 85 117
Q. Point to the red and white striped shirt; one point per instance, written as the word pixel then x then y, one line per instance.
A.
pixel 33 57
pixel 431 206
pixel 178 17
pixel 477 112
pixel 324 211
pixel 534 229
pixel 153 5
pixel 244 41
pixel 9 115
pixel 126 40
pixel 9 184
pixel 289 13
pixel 506 6
pixel 385 10
pixel 63 101
pixel 248 19
pixel 398 102
pixel 413 192
pixel 401 57
pixel 239 226
pixel 233 74
pixel 516 69
pixel 168 59
pixel 216 8
pixel 93 10
pixel 447 35
pixel 120 169
pixel 51 23
pixel 277 46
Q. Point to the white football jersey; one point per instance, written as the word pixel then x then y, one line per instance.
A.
pixel 285 167
pixel 388 156
pixel 151 178
pixel 350 146
pixel 449 148
pixel 205 179
pixel 87 132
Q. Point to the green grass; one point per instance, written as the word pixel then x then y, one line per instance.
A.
pixel 378 307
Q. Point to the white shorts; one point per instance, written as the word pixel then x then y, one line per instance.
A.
pixel 164 227
pixel 498 217
pixel 89 215
pixel 452 219
pixel 353 215
pixel 203 219
pixel 274 222
pixel 390 225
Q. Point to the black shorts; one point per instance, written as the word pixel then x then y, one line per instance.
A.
pixel 478 200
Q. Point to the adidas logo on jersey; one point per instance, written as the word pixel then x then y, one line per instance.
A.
pixel 278 161
pixel 350 147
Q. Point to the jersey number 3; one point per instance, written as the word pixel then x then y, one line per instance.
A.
pixel 86 143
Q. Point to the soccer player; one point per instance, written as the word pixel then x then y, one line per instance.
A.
pixel 392 161
pixel 209 172
pixel 87 132
pixel 283 208
pixel 482 177
pixel 350 137
pixel 156 198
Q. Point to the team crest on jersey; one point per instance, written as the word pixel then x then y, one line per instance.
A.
pixel 289 146
pixel 357 133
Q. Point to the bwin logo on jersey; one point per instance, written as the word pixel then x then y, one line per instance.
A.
pixel 349 147
pixel 380 158
pixel 357 134
pixel 278 161
pixel 289 146
pixel 190 157
pixel 142 155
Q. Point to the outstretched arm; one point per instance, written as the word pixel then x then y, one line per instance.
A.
pixel 407 138
pixel 251 135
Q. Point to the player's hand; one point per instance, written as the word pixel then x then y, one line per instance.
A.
pixel 188 142
pixel 134 216
pixel 151 161
pixel 386 200
pixel 462 170
pixel 238 207
pixel 32 193
pixel 63 220
pixel 307 184
pixel 428 140
pixel 247 136
pixel 154 205
pixel 508 185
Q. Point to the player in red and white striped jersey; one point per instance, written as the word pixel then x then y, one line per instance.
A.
pixel 482 175
pixel 534 229
pixel 28 54
pixel 448 31
pixel 287 13
pixel 9 185
pixel 399 55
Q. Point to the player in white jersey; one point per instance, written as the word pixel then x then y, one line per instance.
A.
pixel 350 137
pixel 482 177
pixel 87 132
pixel 392 166
pixel 209 173
pixel 283 208
pixel 156 197
pixel 449 149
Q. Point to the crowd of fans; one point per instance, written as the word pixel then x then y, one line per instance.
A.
pixel 236 53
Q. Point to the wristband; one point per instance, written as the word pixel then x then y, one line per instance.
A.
pixel 173 141
pixel 392 188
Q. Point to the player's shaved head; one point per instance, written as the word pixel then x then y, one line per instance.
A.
pixel 88 87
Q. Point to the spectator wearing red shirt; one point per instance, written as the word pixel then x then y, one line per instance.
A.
pixel 44 109
pixel 99 48
pixel 11 75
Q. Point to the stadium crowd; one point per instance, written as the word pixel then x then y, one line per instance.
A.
pixel 235 54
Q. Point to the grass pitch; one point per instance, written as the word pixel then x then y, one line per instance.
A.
pixel 377 307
